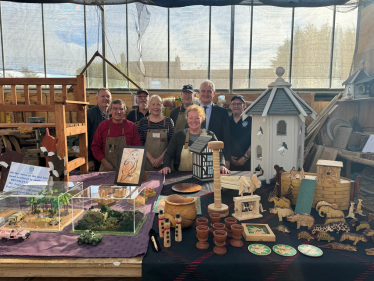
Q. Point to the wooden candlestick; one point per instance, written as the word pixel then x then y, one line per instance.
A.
pixel 167 240
pixel 161 221
pixel 217 206
pixel 178 228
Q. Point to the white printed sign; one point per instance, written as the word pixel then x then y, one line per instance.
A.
pixel 21 174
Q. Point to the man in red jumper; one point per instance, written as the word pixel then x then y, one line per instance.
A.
pixel 112 135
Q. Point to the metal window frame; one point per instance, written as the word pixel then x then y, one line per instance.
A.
pixel 103 44
pixel 232 37
pixel 85 42
pixel 209 40
pixel 2 39
pixel 291 44
pixel 250 49
pixel 168 66
pixel 332 46
pixel 43 36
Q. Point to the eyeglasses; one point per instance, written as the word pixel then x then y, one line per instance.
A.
pixel 237 104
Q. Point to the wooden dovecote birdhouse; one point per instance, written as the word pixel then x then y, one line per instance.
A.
pixel 278 127
pixel 359 85
pixel 328 172
pixel 202 159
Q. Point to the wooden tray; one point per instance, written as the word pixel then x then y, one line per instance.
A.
pixel 186 187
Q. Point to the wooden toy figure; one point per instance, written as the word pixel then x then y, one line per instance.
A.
pixel 247 207
pixel 167 240
pixel 351 213
pixel 178 228
pixel 359 208
pixel 293 174
pixel 49 145
pixel 161 223
pixel 217 206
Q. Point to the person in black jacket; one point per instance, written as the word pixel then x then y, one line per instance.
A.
pixel 95 116
pixel 217 118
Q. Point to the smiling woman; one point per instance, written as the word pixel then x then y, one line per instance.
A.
pixel 155 133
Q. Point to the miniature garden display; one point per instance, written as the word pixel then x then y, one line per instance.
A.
pixel 108 221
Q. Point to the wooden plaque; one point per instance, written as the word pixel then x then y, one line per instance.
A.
pixel 186 187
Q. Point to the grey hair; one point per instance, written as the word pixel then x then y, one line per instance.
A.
pixel 121 102
pixel 103 89
pixel 209 83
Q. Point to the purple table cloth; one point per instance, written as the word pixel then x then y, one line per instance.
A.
pixel 64 243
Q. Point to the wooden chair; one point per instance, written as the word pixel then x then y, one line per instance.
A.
pixel 59 107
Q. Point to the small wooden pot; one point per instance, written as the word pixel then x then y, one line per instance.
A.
pixel 185 206
pixel 202 221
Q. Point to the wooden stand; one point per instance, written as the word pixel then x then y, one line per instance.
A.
pixel 59 107
pixel 247 215
pixel 217 206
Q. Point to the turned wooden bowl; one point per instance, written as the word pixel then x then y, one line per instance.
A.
pixel 185 206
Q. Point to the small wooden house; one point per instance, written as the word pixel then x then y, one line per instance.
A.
pixel 202 159
pixel 278 127
pixel 359 85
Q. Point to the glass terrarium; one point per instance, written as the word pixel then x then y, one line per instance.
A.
pixel 39 206
pixel 115 210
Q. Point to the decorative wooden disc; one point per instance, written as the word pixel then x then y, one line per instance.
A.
pixel 284 250
pixel 310 250
pixel 259 249
pixel 186 187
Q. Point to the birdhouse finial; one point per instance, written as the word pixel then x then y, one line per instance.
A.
pixel 279 71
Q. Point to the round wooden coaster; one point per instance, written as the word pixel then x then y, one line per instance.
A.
pixel 284 250
pixel 186 187
pixel 310 250
pixel 259 249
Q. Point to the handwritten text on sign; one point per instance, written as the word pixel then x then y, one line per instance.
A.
pixel 20 174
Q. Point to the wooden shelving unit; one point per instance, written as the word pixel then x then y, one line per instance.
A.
pixel 59 107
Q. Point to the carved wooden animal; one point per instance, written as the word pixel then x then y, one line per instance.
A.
pixel 302 174
pixel 368 232
pixel 305 235
pixel 363 224
pixel 325 236
pixel 359 208
pixel 302 220
pixel 322 203
pixel 329 211
pixel 282 228
pixel 321 227
pixel 351 213
pixel 370 217
pixel 293 174
pixel 280 202
pixel 282 212
pixel 369 252
pixel 340 226
pixel 334 219
pixel 354 222
pixel 339 246
pixel 353 237
pixel 288 195
pixel 50 145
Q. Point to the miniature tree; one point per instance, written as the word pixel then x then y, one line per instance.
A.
pixel 104 209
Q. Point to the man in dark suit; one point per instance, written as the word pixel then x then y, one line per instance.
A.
pixel 217 118
pixel 95 116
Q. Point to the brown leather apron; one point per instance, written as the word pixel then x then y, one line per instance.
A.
pixel 181 122
pixel 156 143
pixel 113 148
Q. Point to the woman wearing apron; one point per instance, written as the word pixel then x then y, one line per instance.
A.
pixel 155 133
pixel 178 149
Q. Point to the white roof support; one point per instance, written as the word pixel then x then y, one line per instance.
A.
pixel 296 103
pixel 253 104
pixel 270 101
